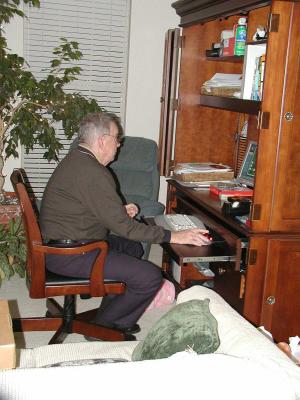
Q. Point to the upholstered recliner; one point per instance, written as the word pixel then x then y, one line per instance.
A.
pixel 137 174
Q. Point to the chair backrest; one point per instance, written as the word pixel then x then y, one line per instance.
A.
pixel 35 266
pixel 136 168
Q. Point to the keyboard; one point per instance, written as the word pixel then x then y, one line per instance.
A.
pixel 178 222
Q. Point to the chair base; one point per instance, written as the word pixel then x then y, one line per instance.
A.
pixel 60 319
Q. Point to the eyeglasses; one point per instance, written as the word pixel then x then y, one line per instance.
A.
pixel 118 139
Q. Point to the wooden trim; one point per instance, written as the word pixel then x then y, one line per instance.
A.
pixel 193 11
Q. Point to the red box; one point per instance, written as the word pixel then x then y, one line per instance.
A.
pixel 228 189
pixel 228 47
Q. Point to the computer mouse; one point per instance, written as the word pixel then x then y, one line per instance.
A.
pixel 208 236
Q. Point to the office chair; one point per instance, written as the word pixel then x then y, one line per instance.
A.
pixel 43 284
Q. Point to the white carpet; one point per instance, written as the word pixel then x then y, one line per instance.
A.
pixel 20 304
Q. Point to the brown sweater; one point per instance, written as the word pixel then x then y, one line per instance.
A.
pixel 81 203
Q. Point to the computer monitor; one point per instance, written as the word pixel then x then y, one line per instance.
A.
pixel 247 172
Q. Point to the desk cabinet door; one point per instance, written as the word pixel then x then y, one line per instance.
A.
pixel 286 210
pixel 281 297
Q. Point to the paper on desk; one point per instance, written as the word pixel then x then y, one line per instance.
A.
pixel 199 185
pixel 190 168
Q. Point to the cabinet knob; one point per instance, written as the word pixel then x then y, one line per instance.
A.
pixel 289 116
pixel 271 300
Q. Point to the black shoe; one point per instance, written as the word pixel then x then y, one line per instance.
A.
pixel 132 329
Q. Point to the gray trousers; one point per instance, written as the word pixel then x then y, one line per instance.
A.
pixel 142 278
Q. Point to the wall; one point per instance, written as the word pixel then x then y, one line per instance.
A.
pixel 149 22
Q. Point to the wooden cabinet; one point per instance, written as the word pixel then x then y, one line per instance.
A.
pixel 208 128
pixel 273 282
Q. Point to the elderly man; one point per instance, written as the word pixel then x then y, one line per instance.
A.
pixel 81 204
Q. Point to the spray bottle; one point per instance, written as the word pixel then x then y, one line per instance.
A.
pixel 240 37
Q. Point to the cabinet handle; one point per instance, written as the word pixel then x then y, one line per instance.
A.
pixel 271 300
pixel 263 121
pixel 252 257
pixel 288 116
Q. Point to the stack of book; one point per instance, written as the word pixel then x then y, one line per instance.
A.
pixel 257 86
pixel 202 172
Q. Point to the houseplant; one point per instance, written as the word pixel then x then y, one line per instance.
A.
pixel 12 249
pixel 29 107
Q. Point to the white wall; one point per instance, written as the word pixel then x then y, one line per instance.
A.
pixel 149 22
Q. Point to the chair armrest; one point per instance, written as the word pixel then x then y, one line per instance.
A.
pixel 97 287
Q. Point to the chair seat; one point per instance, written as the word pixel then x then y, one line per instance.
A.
pixel 53 279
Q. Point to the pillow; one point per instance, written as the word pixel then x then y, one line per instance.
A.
pixel 187 325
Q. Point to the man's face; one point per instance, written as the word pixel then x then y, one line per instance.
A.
pixel 110 144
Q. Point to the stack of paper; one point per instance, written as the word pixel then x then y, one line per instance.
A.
pixel 231 82
pixel 198 172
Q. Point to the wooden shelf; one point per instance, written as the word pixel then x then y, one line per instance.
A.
pixel 256 42
pixel 231 104
pixel 236 59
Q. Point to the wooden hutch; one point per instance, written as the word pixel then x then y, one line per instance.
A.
pixel 264 279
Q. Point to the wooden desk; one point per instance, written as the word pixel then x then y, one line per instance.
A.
pixel 226 255
pixel 254 271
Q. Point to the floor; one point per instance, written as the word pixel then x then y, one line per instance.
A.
pixel 21 305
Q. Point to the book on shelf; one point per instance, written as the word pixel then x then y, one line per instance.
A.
pixel 198 172
pixel 258 78
pixel 253 71
pixel 223 189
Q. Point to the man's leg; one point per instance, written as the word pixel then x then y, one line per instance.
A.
pixel 142 278
pixel 125 246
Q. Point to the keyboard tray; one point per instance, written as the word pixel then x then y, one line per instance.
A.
pixel 225 247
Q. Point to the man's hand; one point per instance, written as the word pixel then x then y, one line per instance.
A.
pixel 131 210
pixel 191 236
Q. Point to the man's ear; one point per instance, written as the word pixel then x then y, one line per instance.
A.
pixel 100 141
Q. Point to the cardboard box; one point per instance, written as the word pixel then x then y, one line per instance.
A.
pixel 7 341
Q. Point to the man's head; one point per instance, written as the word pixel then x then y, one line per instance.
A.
pixel 102 133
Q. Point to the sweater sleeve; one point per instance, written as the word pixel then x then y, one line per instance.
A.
pixel 100 196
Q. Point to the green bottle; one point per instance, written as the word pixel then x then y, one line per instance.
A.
pixel 240 37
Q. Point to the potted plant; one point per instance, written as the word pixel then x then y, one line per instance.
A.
pixel 12 249
pixel 29 107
